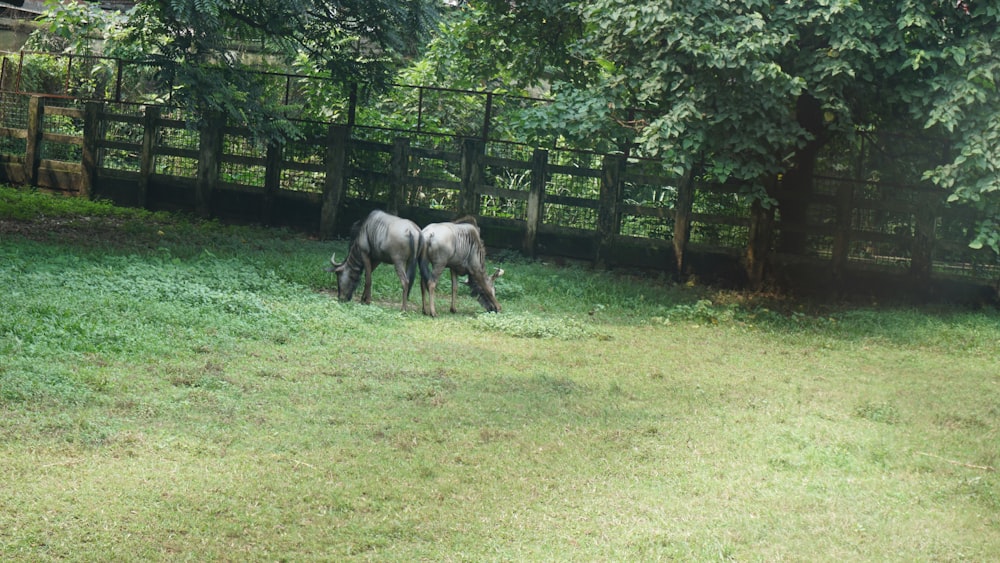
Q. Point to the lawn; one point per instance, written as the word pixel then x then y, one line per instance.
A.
pixel 173 389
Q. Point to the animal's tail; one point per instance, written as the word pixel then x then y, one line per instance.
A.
pixel 416 257
pixel 425 246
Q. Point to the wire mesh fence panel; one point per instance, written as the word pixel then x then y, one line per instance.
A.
pixel 13 145
pixel 870 251
pixel 729 212
pixel 434 198
pixel 13 115
pixel 177 137
pixel 509 178
pixel 952 254
pixel 580 181
pixel 368 180
pixel 655 194
pixel 820 246
pixel 883 225
pixel 250 169
pixel 721 235
pixel 118 131
pixel 571 216
pixel 307 155
pixel 651 226
pixel 433 177
pixel 59 124
pixel 426 176
pixel 14 110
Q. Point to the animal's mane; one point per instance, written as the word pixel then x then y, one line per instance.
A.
pixel 470 239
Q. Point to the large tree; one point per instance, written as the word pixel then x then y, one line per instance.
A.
pixel 759 87
pixel 203 46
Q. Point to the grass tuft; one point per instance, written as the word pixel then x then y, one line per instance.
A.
pixel 525 325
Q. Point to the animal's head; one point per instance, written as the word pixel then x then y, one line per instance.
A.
pixel 347 278
pixel 486 295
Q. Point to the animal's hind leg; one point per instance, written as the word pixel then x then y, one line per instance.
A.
pixel 454 289
pixel 431 288
pixel 405 281
pixel 423 294
pixel 435 275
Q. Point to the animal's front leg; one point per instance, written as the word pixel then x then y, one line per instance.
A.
pixel 366 297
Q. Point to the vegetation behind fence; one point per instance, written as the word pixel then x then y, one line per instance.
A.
pixel 865 213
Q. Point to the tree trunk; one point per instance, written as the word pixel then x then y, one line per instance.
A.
pixel 797 186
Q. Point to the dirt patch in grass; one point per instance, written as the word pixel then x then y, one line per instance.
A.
pixel 86 231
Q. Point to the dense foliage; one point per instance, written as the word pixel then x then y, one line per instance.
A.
pixel 759 87
pixel 749 90
pixel 202 48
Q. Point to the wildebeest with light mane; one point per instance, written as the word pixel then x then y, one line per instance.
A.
pixel 458 247
pixel 381 237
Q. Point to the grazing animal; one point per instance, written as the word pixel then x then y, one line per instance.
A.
pixel 458 247
pixel 381 237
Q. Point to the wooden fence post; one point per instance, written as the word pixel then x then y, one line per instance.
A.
pixel 333 188
pixel 398 171
pixel 608 215
pixel 209 158
pixel 473 155
pixel 93 133
pixel 536 195
pixel 148 157
pixel 33 147
pixel 759 241
pixel 922 252
pixel 682 219
pixel 272 181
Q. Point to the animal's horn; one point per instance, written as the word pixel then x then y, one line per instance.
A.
pixel 335 265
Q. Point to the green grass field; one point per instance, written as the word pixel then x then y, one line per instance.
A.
pixel 176 390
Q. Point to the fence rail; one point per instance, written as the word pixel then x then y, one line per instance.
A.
pixel 609 209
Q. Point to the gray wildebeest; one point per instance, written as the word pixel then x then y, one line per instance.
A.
pixel 458 247
pixel 381 237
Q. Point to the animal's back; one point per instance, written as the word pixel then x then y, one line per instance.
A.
pixel 391 238
pixel 456 245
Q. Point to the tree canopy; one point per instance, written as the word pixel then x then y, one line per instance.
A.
pixel 203 46
pixel 757 87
